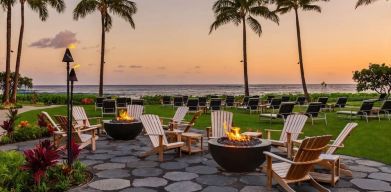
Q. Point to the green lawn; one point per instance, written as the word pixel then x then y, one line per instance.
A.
pixel 370 140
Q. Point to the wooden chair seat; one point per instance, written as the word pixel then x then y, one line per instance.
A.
pixel 174 145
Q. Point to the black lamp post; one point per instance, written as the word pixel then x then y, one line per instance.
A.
pixel 72 79
pixel 68 59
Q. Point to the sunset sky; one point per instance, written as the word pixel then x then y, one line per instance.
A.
pixel 171 45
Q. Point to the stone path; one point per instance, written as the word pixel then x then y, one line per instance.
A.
pixel 116 167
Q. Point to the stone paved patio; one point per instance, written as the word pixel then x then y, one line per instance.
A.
pixel 117 168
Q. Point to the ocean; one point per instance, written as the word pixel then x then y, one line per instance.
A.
pixel 197 90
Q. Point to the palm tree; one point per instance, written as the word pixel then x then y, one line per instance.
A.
pixel 284 6
pixel 7 5
pixel 364 2
pixel 39 6
pixel 123 8
pixel 242 12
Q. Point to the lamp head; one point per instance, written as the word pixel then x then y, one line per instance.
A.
pixel 72 75
pixel 67 56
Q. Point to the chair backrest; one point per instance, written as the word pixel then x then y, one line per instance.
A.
pixel 275 103
pixel 285 98
pixel 185 98
pixel 108 106
pixel 153 127
pixel 255 97
pixel 286 109
pixel 180 114
pixel 214 97
pixel 51 121
pixel 341 102
pixel 192 104
pixel 245 100
pixel 219 119
pixel 294 124
pixel 63 122
pixel 79 115
pixel 314 109
pixel 166 100
pixel 323 100
pixel 386 106
pixel 121 101
pixel 178 101
pixel 128 101
pixel 229 101
pixel 307 154
pixel 366 106
pixel 193 120
pixel 341 137
pixel 135 111
pixel 270 98
pixel 300 100
pixel 215 104
pixel 137 102
pixel 253 103
pixel 202 101
pixel 99 101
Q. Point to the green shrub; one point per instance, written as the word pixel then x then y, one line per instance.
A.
pixel 11 177
pixel 29 133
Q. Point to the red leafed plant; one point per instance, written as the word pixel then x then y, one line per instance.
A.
pixel 8 127
pixel 87 101
pixel 39 159
pixel 75 149
pixel 42 120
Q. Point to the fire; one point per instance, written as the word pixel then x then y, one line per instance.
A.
pixel 75 66
pixel 123 116
pixel 234 134
pixel 72 46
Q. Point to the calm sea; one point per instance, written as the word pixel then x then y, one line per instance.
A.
pixel 196 90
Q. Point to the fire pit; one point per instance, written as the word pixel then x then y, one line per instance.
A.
pixel 238 153
pixel 123 128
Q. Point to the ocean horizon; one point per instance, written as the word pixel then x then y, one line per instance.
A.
pixel 197 89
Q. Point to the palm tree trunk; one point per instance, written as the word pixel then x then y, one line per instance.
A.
pixel 303 82
pixel 246 90
pixel 8 55
pixel 19 54
pixel 102 56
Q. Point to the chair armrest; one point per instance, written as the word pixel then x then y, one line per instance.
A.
pixel 268 132
pixel 88 129
pixel 59 132
pixel 153 134
pixel 168 118
pixel 95 118
pixel 336 146
pixel 272 155
pixel 208 132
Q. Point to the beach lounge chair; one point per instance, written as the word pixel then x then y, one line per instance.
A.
pixel 323 101
pixel 297 170
pixel 269 98
pixel 192 104
pixel 128 101
pixel 253 105
pixel 135 111
pixel 340 103
pixel 99 102
pixel 244 102
pixel 82 136
pixel 284 111
pixel 166 100
pixel 215 105
pixel 219 119
pixel 364 111
pixel 58 134
pixel 382 97
pixel 274 104
pixel 185 98
pixel 314 112
pixel 120 102
pixel 177 119
pixel 137 101
pixel 214 97
pixel 300 100
pixel 285 98
pixel 203 104
pixel 293 127
pixel 154 130
pixel 80 117
pixel 109 107
pixel 385 109
pixel 229 101
pixel 178 101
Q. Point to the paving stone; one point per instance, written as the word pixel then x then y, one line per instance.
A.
pixel 113 173
pixel 216 180
pixel 149 182
pixel 90 162
pixel 371 184
pixel 356 174
pixel 255 189
pixel 183 186
pixel 211 163
pixel 99 156
pixel 147 172
pixel 344 190
pixel 343 184
pixel 100 151
pixel 219 189
pixel 386 169
pixel 120 153
pixel 138 189
pixel 180 176
pixel 124 159
pixel 110 184
pixel 363 168
pixel 381 176
pixel 105 166
pixel 348 157
pixel 192 159
pixel 8 147
pixel 142 164
pixel 83 189
pixel 173 165
pixel 369 163
pixel 200 169
pixel 167 157
pixel 254 180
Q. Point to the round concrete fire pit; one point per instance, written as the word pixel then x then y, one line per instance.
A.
pixel 123 130
pixel 239 158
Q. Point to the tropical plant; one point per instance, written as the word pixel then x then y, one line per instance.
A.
pixel 7 5
pixel 242 12
pixel 285 6
pixel 25 82
pixel 123 8
pixel 39 6
pixel 364 2
pixel 9 124
pixel 376 78
pixel 12 179
pixel 42 120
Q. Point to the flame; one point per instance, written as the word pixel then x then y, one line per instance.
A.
pixel 234 134
pixel 123 116
pixel 75 66
pixel 72 46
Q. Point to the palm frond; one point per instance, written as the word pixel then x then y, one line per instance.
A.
pixel 40 7
pixel 254 25
pixel 311 8
pixel 125 9
pixel 264 12
pixel 224 19
pixel 364 2
pixel 59 5
pixel 85 7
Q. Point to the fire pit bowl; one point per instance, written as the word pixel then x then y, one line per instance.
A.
pixel 123 130
pixel 239 158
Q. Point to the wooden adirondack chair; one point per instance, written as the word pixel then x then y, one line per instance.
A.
pixel 179 115
pixel 50 120
pixel 135 111
pixel 79 133
pixel 296 171
pixel 82 120
pixel 293 126
pixel 59 134
pixel 219 120
pixel 155 131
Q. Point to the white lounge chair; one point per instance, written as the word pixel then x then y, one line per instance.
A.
pixel 219 119
pixel 135 111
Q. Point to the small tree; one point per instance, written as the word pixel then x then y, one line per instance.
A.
pixel 376 78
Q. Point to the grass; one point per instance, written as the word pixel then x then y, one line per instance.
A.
pixel 369 140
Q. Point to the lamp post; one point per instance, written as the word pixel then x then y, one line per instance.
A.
pixel 72 79
pixel 68 59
